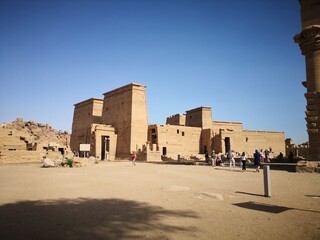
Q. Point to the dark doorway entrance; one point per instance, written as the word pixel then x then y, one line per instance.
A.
pixel 205 150
pixel 105 147
pixel 164 151
pixel 227 144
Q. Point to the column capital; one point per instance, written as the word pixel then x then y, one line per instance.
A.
pixel 309 39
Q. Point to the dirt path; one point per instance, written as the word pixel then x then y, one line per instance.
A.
pixel 116 200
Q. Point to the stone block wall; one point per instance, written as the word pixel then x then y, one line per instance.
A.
pixel 125 109
pixel 178 119
pixel 173 140
pixel 85 114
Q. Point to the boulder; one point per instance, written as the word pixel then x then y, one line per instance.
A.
pixel 47 162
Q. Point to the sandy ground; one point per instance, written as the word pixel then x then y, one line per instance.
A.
pixel 116 200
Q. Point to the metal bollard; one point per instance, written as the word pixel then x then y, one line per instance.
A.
pixel 266 180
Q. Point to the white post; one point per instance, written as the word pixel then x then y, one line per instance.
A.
pixel 266 180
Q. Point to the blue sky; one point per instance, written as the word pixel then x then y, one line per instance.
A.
pixel 238 57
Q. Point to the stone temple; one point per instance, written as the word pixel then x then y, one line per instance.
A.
pixel 117 125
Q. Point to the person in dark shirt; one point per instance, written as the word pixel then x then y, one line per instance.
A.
pixel 257 163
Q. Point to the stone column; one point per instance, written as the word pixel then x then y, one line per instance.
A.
pixel 309 42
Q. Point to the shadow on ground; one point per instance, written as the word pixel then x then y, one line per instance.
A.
pixel 252 194
pixel 263 207
pixel 88 219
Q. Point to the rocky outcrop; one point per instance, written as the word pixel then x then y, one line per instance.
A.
pixel 28 141
pixel 31 131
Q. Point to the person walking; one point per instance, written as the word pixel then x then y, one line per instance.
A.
pixel 134 157
pixel 257 163
pixel 244 161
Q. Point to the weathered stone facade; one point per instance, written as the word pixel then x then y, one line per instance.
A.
pixel 309 42
pixel 118 125
pixel 199 134
pixel 175 140
pixel 125 109
pixel 114 126
pixel 85 114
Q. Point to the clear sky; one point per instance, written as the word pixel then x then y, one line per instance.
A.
pixel 238 57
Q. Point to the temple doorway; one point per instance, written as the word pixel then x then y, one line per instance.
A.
pixel 105 147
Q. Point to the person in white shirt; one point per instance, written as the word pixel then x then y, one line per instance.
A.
pixel 244 161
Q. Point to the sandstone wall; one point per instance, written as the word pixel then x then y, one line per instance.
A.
pixel 139 119
pixel 178 119
pixel 125 109
pixel 85 114
pixel 264 140
pixel 199 117
pixel 176 140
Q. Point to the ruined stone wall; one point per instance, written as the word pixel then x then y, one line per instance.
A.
pixel 300 150
pixel 27 141
pixel 176 139
pixel 125 109
pixel 11 140
pixel 178 119
pixel 85 114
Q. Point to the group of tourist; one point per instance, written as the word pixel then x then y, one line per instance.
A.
pixel 258 156
pixel 216 159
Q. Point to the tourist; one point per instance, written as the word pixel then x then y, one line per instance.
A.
pixel 257 163
pixel 218 160
pixel 134 157
pixel 266 155
pixel 290 157
pixel 213 158
pixel 232 162
pixel 244 161
pixel 206 155
pixel 280 157
pixel 261 155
